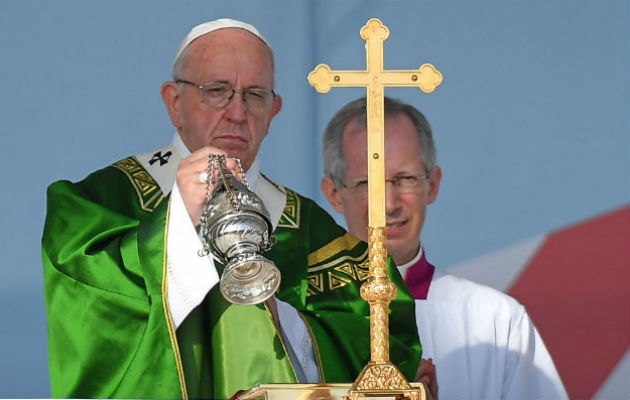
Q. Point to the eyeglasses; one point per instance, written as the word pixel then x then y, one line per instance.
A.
pixel 219 95
pixel 404 183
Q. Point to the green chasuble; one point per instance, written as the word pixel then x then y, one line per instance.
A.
pixel 110 333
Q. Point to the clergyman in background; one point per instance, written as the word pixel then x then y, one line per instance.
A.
pixel 482 341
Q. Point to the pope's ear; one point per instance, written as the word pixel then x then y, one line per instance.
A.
pixel 434 184
pixel 170 96
pixel 277 105
pixel 331 192
pixel 275 109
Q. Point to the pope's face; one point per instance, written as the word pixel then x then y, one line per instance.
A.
pixel 405 212
pixel 232 56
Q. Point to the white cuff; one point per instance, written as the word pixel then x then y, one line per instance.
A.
pixel 189 276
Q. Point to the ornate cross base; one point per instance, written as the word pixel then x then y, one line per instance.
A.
pixel 384 380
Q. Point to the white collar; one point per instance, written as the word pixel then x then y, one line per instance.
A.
pixel 403 268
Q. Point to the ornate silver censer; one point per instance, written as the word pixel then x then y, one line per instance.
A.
pixel 235 228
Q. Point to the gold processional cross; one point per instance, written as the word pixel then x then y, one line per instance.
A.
pixel 379 376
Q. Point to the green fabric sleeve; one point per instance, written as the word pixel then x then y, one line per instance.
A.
pixel 107 333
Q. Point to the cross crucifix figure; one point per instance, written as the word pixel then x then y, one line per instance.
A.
pixel 380 375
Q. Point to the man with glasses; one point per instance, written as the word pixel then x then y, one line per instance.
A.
pixel 482 341
pixel 134 311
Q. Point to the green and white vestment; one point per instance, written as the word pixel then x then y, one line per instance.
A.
pixel 110 324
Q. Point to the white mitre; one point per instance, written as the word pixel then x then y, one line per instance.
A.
pixel 210 26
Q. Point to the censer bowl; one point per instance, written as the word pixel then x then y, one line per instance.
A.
pixel 236 229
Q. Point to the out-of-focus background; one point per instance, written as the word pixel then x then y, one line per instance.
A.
pixel 531 125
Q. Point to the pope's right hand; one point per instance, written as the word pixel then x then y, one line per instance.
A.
pixel 192 189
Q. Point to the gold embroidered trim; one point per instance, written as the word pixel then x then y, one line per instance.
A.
pixel 291 214
pixel 345 242
pixel 167 314
pixel 361 259
pixel 147 189
pixel 337 273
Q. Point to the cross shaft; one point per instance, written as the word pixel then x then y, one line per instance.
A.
pixel 379 375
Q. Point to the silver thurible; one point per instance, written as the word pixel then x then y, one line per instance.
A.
pixel 236 228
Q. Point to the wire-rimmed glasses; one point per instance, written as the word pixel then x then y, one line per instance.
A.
pixel 405 182
pixel 219 95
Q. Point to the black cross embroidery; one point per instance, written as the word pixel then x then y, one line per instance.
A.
pixel 163 159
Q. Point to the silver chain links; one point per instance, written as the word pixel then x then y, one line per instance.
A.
pixel 217 161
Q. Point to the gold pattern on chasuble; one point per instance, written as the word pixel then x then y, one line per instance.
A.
pixel 291 214
pixel 337 273
pixel 149 193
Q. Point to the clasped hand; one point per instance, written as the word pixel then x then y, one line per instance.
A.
pixel 192 188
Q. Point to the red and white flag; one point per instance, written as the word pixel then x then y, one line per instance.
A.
pixel 575 285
